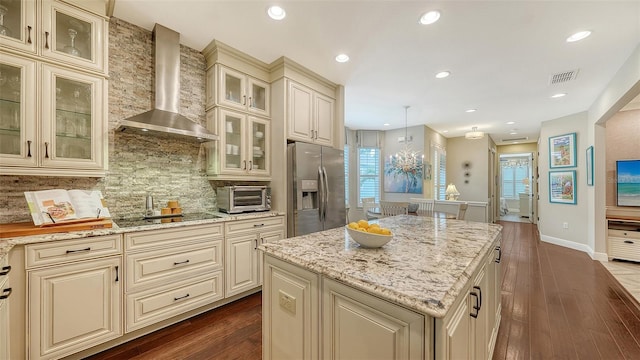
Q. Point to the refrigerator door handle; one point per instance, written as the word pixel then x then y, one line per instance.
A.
pixel 325 191
pixel 321 194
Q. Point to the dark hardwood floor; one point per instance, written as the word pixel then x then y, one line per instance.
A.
pixel 557 303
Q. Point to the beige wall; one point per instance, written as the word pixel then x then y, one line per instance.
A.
pixel 622 130
pixel 472 181
pixel 553 215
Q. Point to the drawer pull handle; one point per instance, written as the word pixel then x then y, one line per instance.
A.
pixel 5 293
pixel 628 242
pixel 46 40
pixel 28 34
pixel 181 262
pixel 499 254
pixel 79 250
pixel 258 225
pixel 476 307
pixel 117 274
pixel 180 298
pixel 5 270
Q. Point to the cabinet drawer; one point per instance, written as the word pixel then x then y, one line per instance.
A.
pixel 172 237
pixel 624 248
pixel 240 226
pixel 154 305
pixel 626 234
pixel 153 268
pixel 58 252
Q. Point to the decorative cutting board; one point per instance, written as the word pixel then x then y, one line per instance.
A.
pixel 27 228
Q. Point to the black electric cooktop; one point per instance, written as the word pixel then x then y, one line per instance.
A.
pixel 139 221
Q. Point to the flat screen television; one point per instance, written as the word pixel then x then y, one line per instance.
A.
pixel 628 182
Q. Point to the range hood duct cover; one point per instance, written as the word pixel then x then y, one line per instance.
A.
pixel 165 117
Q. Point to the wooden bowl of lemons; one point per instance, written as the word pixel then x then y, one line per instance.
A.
pixel 369 235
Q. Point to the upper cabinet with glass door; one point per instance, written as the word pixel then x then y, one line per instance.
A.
pixel 65 33
pixel 240 91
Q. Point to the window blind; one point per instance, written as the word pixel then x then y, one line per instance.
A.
pixel 368 173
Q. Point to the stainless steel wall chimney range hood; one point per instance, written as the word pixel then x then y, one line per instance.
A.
pixel 165 118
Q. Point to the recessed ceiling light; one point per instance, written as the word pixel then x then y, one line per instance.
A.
pixel 386 124
pixel 443 74
pixel 578 36
pixel 516 142
pixel 558 95
pixel 471 110
pixel 511 122
pixel 276 12
pixel 445 131
pixel 342 58
pixel 429 17
pixel 513 133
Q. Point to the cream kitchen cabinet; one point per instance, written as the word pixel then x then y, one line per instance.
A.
pixel 243 150
pixel 349 315
pixel 170 272
pixel 623 239
pixel 470 330
pixel 56 32
pixel 243 262
pixel 67 137
pixel 310 115
pixel 74 295
pixel 236 90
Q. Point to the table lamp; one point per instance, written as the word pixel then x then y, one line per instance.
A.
pixel 451 192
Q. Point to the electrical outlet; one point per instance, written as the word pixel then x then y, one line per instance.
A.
pixel 565 225
pixel 287 302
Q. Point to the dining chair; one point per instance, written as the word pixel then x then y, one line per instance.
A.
pixel 462 209
pixel 425 206
pixel 391 208
pixel 355 214
pixel 367 204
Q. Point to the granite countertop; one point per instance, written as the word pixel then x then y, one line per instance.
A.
pixel 7 243
pixel 424 267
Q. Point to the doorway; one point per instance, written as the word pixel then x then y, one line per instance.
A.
pixel 516 187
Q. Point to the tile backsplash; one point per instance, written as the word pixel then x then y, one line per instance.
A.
pixel 166 168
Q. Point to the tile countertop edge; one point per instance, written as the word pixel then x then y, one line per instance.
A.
pixel 437 309
pixel 7 243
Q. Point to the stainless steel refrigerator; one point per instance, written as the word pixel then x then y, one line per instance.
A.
pixel 315 186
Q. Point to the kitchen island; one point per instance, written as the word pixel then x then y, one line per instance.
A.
pixel 432 292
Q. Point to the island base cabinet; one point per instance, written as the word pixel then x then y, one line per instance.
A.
pixel 359 326
pixel 290 297
pixel 73 307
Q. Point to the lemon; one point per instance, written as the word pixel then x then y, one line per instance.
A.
pixel 385 231
pixel 363 224
pixel 353 225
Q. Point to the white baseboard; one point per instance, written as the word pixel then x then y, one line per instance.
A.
pixel 575 246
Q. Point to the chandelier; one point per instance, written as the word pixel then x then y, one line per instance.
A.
pixel 406 161
pixel 474 134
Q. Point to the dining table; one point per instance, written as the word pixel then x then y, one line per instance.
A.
pixel 374 213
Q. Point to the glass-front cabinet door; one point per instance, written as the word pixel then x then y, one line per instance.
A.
pixel 18 24
pixel 72 118
pixel 18 145
pixel 258 101
pixel 72 35
pixel 258 147
pixel 231 84
pixel 232 144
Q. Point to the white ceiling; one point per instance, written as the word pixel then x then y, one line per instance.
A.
pixel 501 54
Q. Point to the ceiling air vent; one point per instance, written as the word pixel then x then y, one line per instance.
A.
pixel 516 139
pixel 563 77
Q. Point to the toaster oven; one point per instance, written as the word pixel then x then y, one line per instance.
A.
pixel 239 199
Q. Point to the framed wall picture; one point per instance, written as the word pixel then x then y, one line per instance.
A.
pixel 562 151
pixel 562 187
pixel 590 166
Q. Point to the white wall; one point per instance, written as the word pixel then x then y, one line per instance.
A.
pixel 553 215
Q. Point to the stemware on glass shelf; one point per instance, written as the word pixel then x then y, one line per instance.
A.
pixel 3 29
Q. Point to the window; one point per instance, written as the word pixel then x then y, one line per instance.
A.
pixel 440 173
pixel 368 173
pixel 514 172
pixel 346 174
